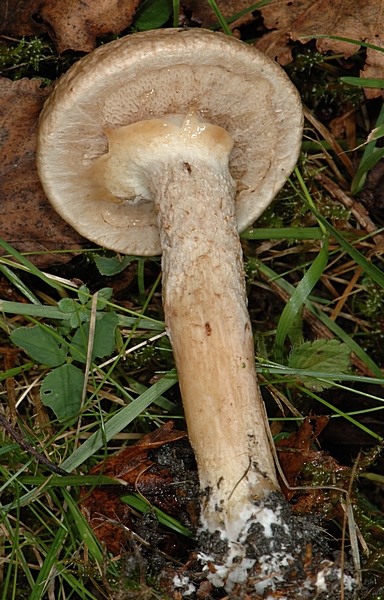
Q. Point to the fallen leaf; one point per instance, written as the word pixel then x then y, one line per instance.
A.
pixel 374 68
pixel 312 469
pixel 293 20
pixel 291 450
pixel 111 518
pixel 324 356
pixel 203 14
pixel 27 220
pixel 72 25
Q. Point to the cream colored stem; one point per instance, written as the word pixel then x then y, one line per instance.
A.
pixel 209 327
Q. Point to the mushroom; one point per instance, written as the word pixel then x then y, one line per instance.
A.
pixel 174 141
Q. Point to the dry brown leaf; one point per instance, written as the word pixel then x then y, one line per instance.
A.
pixel 27 220
pixel 292 449
pixel 295 19
pixel 108 516
pixel 204 15
pixel 374 67
pixel 72 25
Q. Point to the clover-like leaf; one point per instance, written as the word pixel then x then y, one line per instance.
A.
pixel 61 390
pixel 41 344
pixel 103 342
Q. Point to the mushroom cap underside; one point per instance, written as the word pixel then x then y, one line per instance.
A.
pixel 153 75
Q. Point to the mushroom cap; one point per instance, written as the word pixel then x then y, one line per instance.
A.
pixel 152 75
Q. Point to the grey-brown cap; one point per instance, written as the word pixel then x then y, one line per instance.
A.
pixel 151 75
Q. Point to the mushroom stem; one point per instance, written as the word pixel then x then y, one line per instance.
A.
pixel 210 331
pixel 182 165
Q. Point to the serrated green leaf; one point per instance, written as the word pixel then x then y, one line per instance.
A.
pixel 40 345
pixel 328 356
pixel 103 342
pixel 61 390
pixel 114 265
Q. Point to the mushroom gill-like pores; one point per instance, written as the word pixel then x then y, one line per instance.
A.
pixel 172 142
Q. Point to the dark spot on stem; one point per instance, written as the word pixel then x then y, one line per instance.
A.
pixel 208 329
pixel 188 167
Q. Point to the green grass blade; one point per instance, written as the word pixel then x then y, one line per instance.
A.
pixel 139 503
pixel 283 233
pixel 244 12
pixel 52 312
pixel 357 185
pixel 343 39
pixel 340 413
pixel 176 12
pixel 298 298
pixel 364 167
pixel 219 17
pixel 85 531
pixel 362 82
pixel 323 318
pixel 366 265
pixel 19 284
pixel 70 480
pixel 119 421
pixel 16 371
pixel 24 261
pixel 49 561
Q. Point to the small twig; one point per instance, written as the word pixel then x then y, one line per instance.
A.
pixel 358 211
pixel 331 140
pixel 30 449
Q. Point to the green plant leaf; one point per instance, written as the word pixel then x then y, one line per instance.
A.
pixel 40 345
pixel 30 266
pixel 114 265
pixel 121 419
pixel 61 390
pixel 103 297
pixel 83 294
pixel 103 342
pixel 152 14
pixel 323 355
pixel 78 313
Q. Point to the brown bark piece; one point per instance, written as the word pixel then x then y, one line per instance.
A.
pixel 295 19
pixel 71 24
pixel 27 220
